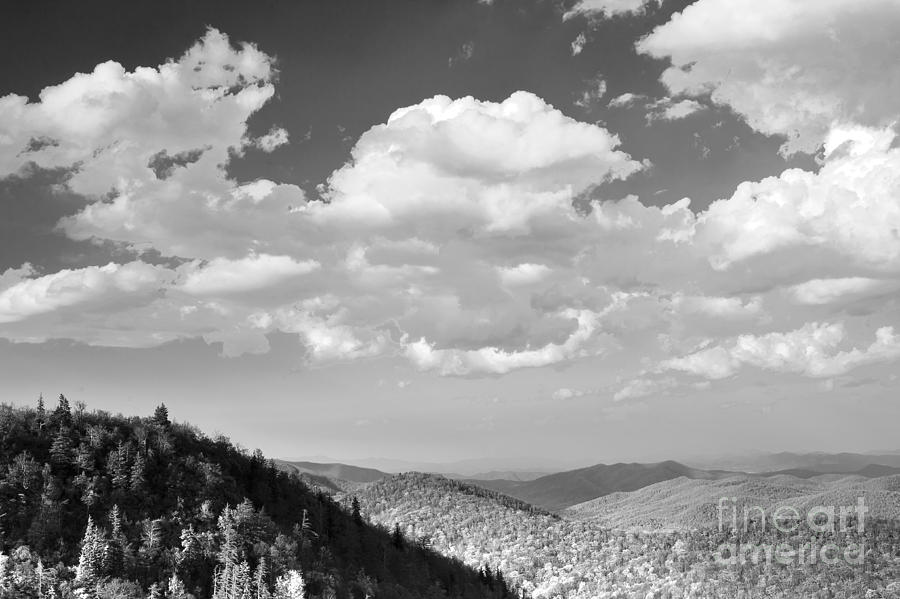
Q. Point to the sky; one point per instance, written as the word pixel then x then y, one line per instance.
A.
pixel 556 231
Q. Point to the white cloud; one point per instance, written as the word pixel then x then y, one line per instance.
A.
pixel 644 387
pixel 222 276
pixel 626 99
pixel 491 360
pixel 108 284
pixel 790 67
pixel 827 291
pixel 274 139
pixel 811 351
pixel 578 44
pixel 848 210
pixel 522 274
pixel 669 110
pixel 608 7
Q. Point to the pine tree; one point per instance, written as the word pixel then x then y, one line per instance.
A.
pixel 62 415
pixel 90 562
pixel 40 417
pixel 357 517
pixel 161 416
pixel 61 448
pixel 138 473
pixel 397 537
pixel 114 552
pixel 155 591
pixel 260 577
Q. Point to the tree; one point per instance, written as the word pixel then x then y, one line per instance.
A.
pixel 357 517
pixel 161 416
pixel 90 562
pixel 61 448
pixel 62 415
pixel 397 537
pixel 290 585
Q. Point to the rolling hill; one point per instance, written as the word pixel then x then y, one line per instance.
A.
pixel 549 556
pixel 685 503
pixel 564 489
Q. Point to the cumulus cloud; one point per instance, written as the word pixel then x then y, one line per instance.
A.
pixel 791 68
pixel 449 237
pixel 811 351
pixel 108 284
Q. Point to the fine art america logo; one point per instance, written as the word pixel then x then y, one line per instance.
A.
pixel 828 535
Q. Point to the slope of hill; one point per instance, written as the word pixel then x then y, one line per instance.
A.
pixel 99 506
pixel 563 489
pixel 552 557
pixel 334 471
pixel 684 503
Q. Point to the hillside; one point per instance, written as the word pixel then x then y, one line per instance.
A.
pixel 564 489
pixel 334 471
pixel 111 507
pixel 549 556
pixel 684 503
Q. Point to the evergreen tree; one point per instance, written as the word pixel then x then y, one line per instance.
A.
pixel 354 507
pixel 62 415
pixel 161 416
pixel 397 537
pixel 61 448
pixel 138 473
pixel 90 562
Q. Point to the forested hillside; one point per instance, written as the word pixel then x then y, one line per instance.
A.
pixel 552 557
pixel 95 506
pixel 686 504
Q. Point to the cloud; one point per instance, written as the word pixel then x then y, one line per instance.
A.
pixel 847 210
pixel 669 110
pixel 491 360
pixel 827 291
pixel 95 285
pixel 522 274
pixel 607 7
pixel 790 68
pixel 221 276
pixel 271 141
pixel 644 387
pixel 626 99
pixel 593 94
pixel 450 238
pixel 578 44
pixel 811 351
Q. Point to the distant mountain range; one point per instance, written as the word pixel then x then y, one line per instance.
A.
pixel 561 490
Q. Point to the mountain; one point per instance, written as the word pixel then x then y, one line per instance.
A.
pixel 685 503
pixel 563 489
pixel 470 468
pixel 819 462
pixel 100 506
pixel 550 556
pixel 333 471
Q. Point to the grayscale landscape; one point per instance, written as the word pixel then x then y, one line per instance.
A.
pixel 450 299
